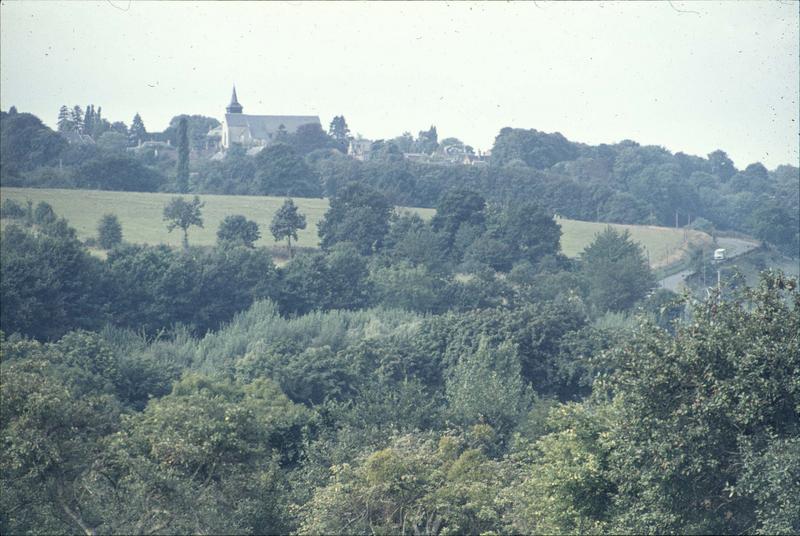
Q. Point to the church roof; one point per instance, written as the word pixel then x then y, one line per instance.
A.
pixel 264 126
pixel 234 107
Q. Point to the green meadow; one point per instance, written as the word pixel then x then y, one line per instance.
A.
pixel 141 217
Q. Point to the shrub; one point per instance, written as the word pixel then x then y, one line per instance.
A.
pixel 12 210
pixel 238 230
pixel 44 214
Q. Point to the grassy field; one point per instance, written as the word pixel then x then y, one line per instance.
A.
pixel 141 213
pixel 140 216
pixel 663 245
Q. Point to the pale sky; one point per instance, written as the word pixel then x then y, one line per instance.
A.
pixel 689 76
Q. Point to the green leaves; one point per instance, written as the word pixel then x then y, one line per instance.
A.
pixel 416 484
pixel 239 230
pixel 286 222
pixel 281 171
pixel 357 214
pixel 487 387
pixel 563 484
pixel 183 214
pixel 698 408
pixel 616 271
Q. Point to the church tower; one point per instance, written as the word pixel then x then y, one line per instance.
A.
pixel 234 107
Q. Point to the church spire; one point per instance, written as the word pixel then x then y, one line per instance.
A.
pixel 234 107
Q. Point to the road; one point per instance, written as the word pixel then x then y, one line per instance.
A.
pixel 733 248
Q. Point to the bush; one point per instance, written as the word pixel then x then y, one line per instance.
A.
pixel 12 210
pixel 44 213
pixel 238 230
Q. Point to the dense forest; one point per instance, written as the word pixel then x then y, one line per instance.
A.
pixel 452 376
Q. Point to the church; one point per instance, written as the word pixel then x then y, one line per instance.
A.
pixel 255 131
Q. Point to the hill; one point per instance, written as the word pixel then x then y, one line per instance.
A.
pixel 140 216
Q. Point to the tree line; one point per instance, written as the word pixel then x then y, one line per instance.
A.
pixel 616 183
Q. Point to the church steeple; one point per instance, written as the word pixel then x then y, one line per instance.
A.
pixel 234 107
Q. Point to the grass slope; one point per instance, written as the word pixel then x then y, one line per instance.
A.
pixel 663 245
pixel 140 216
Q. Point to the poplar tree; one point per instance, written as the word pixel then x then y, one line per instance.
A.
pixel 89 120
pixel 182 168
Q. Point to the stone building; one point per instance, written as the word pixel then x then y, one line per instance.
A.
pixel 253 131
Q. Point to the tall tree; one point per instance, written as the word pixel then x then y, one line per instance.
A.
pixel 109 231
pixel 721 165
pixel 428 140
pixel 64 119
pixel 182 167
pixel 281 171
pixel 309 138
pixel 100 123
pixel 530 231
pixel 358 214
pixel 286 222
pixel 137 131
pixel 339 131
pixel 89 120
pixel 458 207
pixel 616 271
pixel 77 118
pixel 183 214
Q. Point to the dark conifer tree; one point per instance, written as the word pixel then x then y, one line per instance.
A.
pixel 340 132
pixel 137 132
pixel 77 118
pixel 89 120
pixel 64 119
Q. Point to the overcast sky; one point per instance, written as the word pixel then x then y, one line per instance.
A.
pixel 689 76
